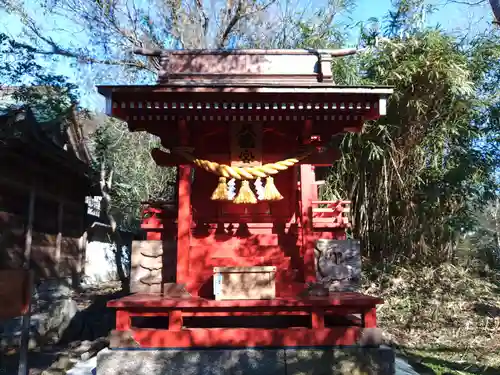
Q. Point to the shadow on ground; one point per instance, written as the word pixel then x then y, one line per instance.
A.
pixel 425 364
pixel 37 361
pixel 92 322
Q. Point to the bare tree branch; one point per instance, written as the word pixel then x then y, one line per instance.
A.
pixel 115 28
pixel 56 50
pixel 204 17
pixel 495 6
pixel 471 3
pixel 232 23
pixel 236 17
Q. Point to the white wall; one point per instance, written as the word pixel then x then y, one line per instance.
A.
pixel 100 264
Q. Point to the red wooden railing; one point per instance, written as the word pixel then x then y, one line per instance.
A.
pixel 333 215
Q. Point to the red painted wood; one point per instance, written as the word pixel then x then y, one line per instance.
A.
pixel 215 217
pixel 246 311
pixel 340 299
pixel 15 292
pixel 281 263
pixel 123 322
pixel 317 319
pixel 260 243
pixel 175 320
pixel 161 95
pixel 245 337
pixel 152 223
pixel 251 311
pixel 332 216
pixel 184 224
pixel 307 131
pixel 159 127
pixel 325 224
pixel 281 234
pixel 254 312
pixel 211 211
pixel 292 114
pixel 184 217
pixel 151 218
pixel 316 101
pixel 308 192
pixel 270 237
pixel 243 245
pixel 145 313
pixel 282 115
pixel 323 159
pixel 316 314
pixel 154 236
pixel 370 318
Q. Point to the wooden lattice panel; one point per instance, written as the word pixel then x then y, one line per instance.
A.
pixel 334 215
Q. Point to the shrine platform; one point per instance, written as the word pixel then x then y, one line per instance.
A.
pixel 155 321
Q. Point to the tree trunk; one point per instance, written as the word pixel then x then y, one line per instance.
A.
pixel 497 231
pixel 105 184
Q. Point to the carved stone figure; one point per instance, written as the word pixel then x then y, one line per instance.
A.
pixel 338 264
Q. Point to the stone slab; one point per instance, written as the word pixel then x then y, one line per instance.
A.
pixel 191 362
pixel 340 361
pixel 328 361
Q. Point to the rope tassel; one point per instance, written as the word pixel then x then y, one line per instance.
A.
pixel 271 193
pixel 221 191
pixel 225 190
pixel 245 195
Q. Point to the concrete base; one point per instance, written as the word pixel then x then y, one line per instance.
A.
pixel 332 361
pixel 340 361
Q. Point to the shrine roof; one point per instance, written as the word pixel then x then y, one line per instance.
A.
pixel 26 139
pixel 248 87
pixel 245 71
pixel 244 83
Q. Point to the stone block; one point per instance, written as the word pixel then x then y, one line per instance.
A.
pixel 191 362
pixel 146 267
pixel 327 361
pixel 340 361
pixel 338 264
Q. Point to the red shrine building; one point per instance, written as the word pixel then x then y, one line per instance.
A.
pixel 247 236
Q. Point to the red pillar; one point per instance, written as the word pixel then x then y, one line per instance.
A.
pixel 123 322
pixel 183 223
pixel 370 318
pixel 307 189
pixel 184 217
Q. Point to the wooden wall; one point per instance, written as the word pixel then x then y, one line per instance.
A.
pixel 58 225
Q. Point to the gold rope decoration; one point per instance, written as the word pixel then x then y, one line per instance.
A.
pixel 244 173
pixel 245 195
pixel 221 191
pixel 271 193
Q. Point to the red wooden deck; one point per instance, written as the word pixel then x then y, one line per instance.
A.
pixel 177 336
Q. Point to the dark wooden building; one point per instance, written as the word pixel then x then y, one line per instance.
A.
pixel 45 176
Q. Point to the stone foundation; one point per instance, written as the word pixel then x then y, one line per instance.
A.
pixel 331 361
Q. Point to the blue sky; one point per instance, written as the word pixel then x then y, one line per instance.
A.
pixel 451 17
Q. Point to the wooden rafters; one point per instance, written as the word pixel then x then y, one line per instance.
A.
pixel 153 115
